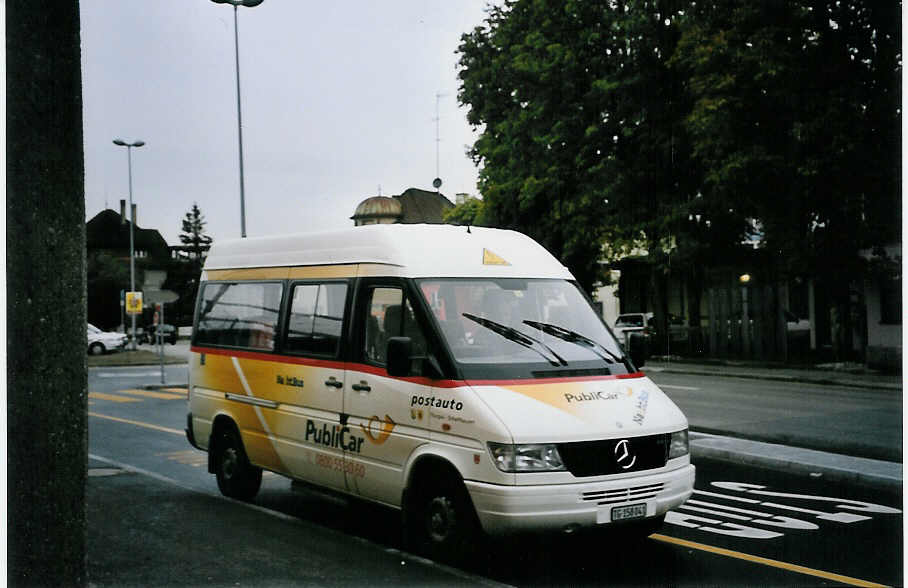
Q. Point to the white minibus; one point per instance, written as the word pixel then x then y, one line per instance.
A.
pixel 457 373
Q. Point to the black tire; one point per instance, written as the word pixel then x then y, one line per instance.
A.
pixel 96 349
pixel 441 521
pixel 237 478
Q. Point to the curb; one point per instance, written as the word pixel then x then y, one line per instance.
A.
pixel 821 380
pixel 831 466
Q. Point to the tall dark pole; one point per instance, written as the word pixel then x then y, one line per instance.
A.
pixel 47 397
pixel 239 111
pixel 132 222
pixel 239 122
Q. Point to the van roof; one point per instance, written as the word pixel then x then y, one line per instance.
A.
pixel 418 250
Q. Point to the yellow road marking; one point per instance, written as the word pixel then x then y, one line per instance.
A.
pixel 138 423
pixel 182 391
pixel 191 457
pixel 152 394
pixel 766 561
pixel 112 397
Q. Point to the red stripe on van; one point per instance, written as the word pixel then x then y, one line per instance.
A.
pixel 379 371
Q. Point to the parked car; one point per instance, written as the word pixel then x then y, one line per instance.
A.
pixel 633 322
pixel 169 332
pixel 100 342
pixel 798 327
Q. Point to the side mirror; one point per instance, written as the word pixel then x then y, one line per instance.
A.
pixel 399 356
pixel 638 349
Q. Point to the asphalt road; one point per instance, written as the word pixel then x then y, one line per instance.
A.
pixel 743 526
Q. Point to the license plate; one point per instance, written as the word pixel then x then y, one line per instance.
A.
pixel 632 511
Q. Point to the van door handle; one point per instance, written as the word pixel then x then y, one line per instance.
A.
pixel 362 387
pixel 334 383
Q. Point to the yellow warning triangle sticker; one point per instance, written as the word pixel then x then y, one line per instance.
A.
pixel 489 258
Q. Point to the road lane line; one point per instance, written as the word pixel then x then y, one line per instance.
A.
pixel 138 423
pixel 112 397
pixel 153 394
pixel 766 561
pixel 182 391
pixel 674 387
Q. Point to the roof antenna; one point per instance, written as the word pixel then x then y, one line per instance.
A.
pixel 468 230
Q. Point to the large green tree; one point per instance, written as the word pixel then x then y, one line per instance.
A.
pixel 582 140
pixel 684 127
pixel 796 116
pixel 526 84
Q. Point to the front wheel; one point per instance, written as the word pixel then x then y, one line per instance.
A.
pixel 442 522
pixel 237 478
pixel 96 349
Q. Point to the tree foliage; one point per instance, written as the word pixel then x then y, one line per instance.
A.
pixel 469 212
pixel 796 115
pixel 686 127
pixel 193 233
pixel 183 276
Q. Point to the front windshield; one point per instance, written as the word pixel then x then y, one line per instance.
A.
pixel 510 327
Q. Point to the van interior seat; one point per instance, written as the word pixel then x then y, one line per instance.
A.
pixel 390 328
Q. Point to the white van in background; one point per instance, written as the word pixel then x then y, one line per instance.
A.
pixel 458 374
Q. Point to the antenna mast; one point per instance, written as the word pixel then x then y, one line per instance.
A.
pixel 437 181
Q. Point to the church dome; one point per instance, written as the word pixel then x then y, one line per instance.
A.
pixel 377 210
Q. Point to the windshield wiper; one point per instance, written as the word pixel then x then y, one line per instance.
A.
pixel 516 336
pixel 577 339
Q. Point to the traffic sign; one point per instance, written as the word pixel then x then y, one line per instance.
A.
pixel 133 303
pixel 159 296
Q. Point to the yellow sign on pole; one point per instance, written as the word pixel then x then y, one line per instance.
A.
pixel 133 303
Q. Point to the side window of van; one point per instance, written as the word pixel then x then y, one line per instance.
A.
pixel 243 314
pixel 390 314
pixel 316 318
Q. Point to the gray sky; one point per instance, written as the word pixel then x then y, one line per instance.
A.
pixel 338 99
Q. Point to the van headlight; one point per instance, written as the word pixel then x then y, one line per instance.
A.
pixel 529 457
pixel 679 445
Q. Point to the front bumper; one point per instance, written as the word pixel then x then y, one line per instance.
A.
pixel 566 507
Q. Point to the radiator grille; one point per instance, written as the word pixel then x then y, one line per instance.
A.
pixel 614 456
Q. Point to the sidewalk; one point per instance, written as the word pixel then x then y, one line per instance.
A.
pixel 147 530
pixel 853 375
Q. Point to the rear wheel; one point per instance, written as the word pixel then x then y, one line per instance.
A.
pixel 237 478
pixel 441 521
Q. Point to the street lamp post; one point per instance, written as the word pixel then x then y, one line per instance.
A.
pixel 132 221
pixel 239 112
